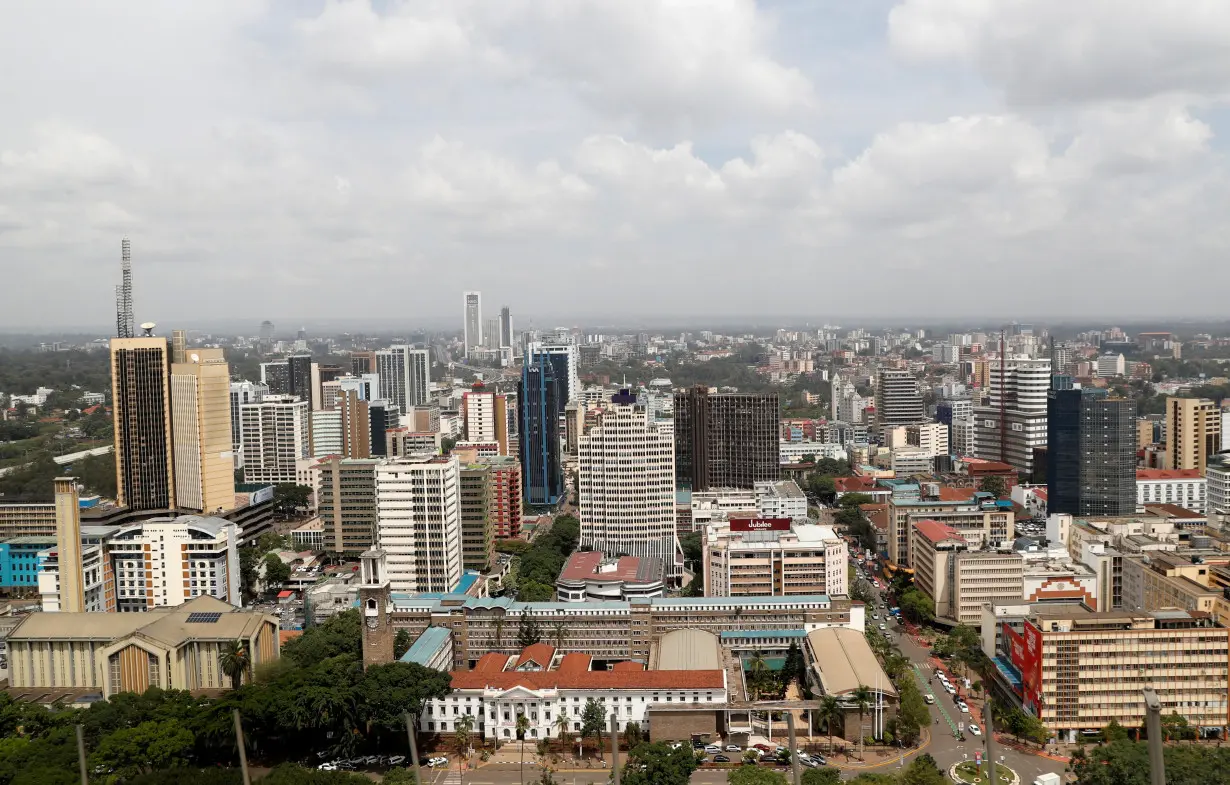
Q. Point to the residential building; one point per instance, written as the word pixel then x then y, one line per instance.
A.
pixel 485 417
pixel 725 440
pixel 477 531
pixel 541 396
pixel 346 504
pixel 589 576
pixel 504 502
pixel 472 324
pixel 405 375
pixel 898 400
pixel 1111 365
pixel 1193 432
pixel 626 485
pixel 1091 453
pixel 752 557
pixel 782 499
pixel 75 655
pixel 407 441
pixel 1013 423
pixel 931 438
pixel 419 522
pixel 1185 488
pixel 241 393
pixel 275 436
pixel 141 409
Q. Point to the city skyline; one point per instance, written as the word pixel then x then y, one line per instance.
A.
pixel 788 143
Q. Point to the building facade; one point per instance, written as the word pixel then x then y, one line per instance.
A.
pixel 485 417
pixel 405 375
pixel 141 409
pixel 541 396
pixel 1091 453
pixel 472 320
pixel 751 557
pixel 477 529
pixel 1186 488
pixel 1193 432
pixel 346 504
pixel 898 400
pixel 201 432
pixel 276 434
pixel 241 393
pixel 725 440
pixel 1013 423
pixel 418 503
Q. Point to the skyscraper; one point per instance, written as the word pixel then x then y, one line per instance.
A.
pixel 299 374
pixel 626 484
pixel 418 502
pixel 266 334
pixel 506 328
pixel 201 431
pixel 141 410
pixel 1091 453
pixel 540 398
pixel 275 436
pixel 491 333
pixel 725 440
pixel 1013 424
pixel 898 401
pixel 346 503
pixel 241 393
pixel 473 320
pixel 1193 432
pixel 275 375
pixel 564 357
pixel 485 417
pixel 405 376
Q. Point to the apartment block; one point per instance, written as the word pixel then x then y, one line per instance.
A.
pixel 27 520
pixel 418 503
pixel 1193 432
pixel 346 504
pixel 276 434
pixel 485 417
pixel 504 487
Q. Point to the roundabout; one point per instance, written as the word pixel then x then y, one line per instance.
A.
pixel 970 774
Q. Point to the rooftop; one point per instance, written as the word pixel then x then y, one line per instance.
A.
pixel 1168 474
pixel 937 532
pixel 591 680
pixel 845 661
pixel 686 650
pixel 588 565
pixel 169 625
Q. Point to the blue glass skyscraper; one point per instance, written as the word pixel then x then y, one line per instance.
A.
pixel 541 397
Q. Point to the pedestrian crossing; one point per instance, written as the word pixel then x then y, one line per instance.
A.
pixel 939 704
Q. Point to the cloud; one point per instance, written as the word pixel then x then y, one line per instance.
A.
pixel 1055 52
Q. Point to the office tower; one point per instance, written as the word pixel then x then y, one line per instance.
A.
pixel 477 530
pixel 419 522
pixel 423 419
pixel 725 440
pixel 1091 453
pixel 241 393
pixel 491 333
pixel 344 430
pixel 898 401
pixel 1193 432
pixel 275 436
pixel 485 417
pixel 540 396
pixel 68 546
pixel 366 386
pixel 299 372
pixel 322 375
pixel 384 417
pixel 141 410
pixel 506 328
pixel 266 333
pixel 405 376
pixel 564 358
pixel 346 504
pixel 626 484
pixel 275 375
pixel 325 432
pixel 1061 356
pixel 201 431
pixel 473 325
pixel 179 345
pixel 1013 423
pixel 362 362
pixel 504 502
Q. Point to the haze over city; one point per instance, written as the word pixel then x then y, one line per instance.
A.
pixel 621 160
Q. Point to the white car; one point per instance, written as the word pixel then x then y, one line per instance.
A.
pixel 733 748
pixel 975 730
pixel 882 628
pixel 712 749
pixel 930 699
pixel 330 766
pixel 964 707
pixel 437 762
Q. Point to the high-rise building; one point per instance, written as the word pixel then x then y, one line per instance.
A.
pixel 299 375
pixel 201 431
pixel 1193 432
pixel 275 375
pixel 322 375
pixel 68 546
pixel 344 430
pixel 384 418
pixel 362 362
pixel 1062 355
pixel 405 376
pixel 626 484
pixel 419 522
pixel 472 333
pixel 539 397
pixel 275 436
pixel 725 440
pixel 1013 423
pixel 897 400
pixel 1091 453
pixel 241 393
pixel 491 333
pixel 477 530
pixel 506 328
pixel 266 333
pixel 141 409
pixel 346 503
pixel 564 357
pixel 504 487
pixel 485 417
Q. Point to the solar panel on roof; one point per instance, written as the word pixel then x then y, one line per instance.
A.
pixel 204 618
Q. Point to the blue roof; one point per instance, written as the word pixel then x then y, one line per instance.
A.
pixel 766 600
pixel 468 579
pixel 737 634
pixel 683 497
pixel 426 645
pixel 1008 671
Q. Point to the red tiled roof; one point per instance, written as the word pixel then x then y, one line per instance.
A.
pixel 585 565
pixel 1040 493
pixel 538 653
pixel 491 662
pixel 853 484
pixel 286 635
pixel 574 661
pixel 936 531
pixel 1168 474
pixel 979 466
pixel 593 680
pixel 628 665
pixel 948 494
pixel 877 514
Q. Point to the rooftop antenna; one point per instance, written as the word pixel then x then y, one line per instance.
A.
pixel 123 293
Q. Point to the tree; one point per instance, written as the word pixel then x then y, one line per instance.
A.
pixel 148 747
pixel 823 776
pixel 823 487
pixel 277 572
pixel 658 764
pixel 754 775
pixel 461 738
pixel 399 776
pixel 757 668
pixel 561 726
pixel 236 661
pixel 633 735
pixel 559 634
pixel 528 632
pixel 916 606
pixel 523 725
pixel 1114 732
pixel 593 721
pixel 289 497
pixel 533 591
pixel 795 667
pixel 849 500
pixel 830 709
pixel 923 770
pixel 691 545
pixel 1176 726
pixel 401 643
pixel 912 714
pixel 994 485
pixel 341 634
pixel 1125 762
pixel 895 666
pixel 386 692
pixel 862 698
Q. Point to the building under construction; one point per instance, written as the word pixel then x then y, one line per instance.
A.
pixel 725 440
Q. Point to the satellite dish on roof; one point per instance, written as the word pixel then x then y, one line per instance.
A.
pixel 196 358
pixel 148 327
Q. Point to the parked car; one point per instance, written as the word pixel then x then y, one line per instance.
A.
pixel 712 749
pixel 721 759
pixel 930 699
pixel 964 707
pixel 397 760
pixel 437 762
pixel 762 747
pixel 975 730
pixel 733 748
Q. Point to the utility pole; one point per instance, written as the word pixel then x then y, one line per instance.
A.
pixel 85 777
pixel 414 750
pixel 615 747
pixel 1153 721
pixel 988 718
pixel 243 754
pixel 795 768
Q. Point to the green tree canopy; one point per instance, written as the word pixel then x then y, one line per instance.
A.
pixel 148 747
pixel 277 572
pixel 338 635
pixel 658 764
pixel 755 775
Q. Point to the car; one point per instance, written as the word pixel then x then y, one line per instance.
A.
pixel 964 707
pixel 883 627
pixel 733 748
pixel 818 758
pixel 930 699
pixel 702 759
pixel 975 730
pixel 436 762
pixel 397 760
pixel 951 690
pixel 712 749
pixel 697 744
pixel 328 766
pixel 875 616
pixel 762 747
pixel 721 759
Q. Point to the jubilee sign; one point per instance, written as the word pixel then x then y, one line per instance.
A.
pixel 760 524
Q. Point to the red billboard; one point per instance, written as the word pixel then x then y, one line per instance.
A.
pixel 760 524
pixel 1025 652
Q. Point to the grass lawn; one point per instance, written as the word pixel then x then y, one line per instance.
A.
pixel 967 772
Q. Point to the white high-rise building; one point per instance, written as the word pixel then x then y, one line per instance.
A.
pixel 275 437
pixel 626 482
pixel 473 320
pixel 931 438
pixel 568 350
pixel 241 393
pixel 1019 391
pixel 418 522
pixel 405 375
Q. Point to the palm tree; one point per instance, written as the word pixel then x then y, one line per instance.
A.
pixel 830 709
pixel 523 725
pixel 757 666
pixel 559 633
pixel 461 736
pixel 862 698
pixel 895 665
pixel 561 723
pixel 499 632
pixel 236 661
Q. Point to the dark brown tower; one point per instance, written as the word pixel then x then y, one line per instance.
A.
pixel 374 606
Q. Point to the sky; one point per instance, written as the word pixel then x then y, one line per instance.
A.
pixel 597 159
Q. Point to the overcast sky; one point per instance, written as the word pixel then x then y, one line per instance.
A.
pixel 573 157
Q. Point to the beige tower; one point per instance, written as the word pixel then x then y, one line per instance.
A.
pixel 1193 432
pixel 141 409
pixel 374 604
pixel 68 545
pixel 201 430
